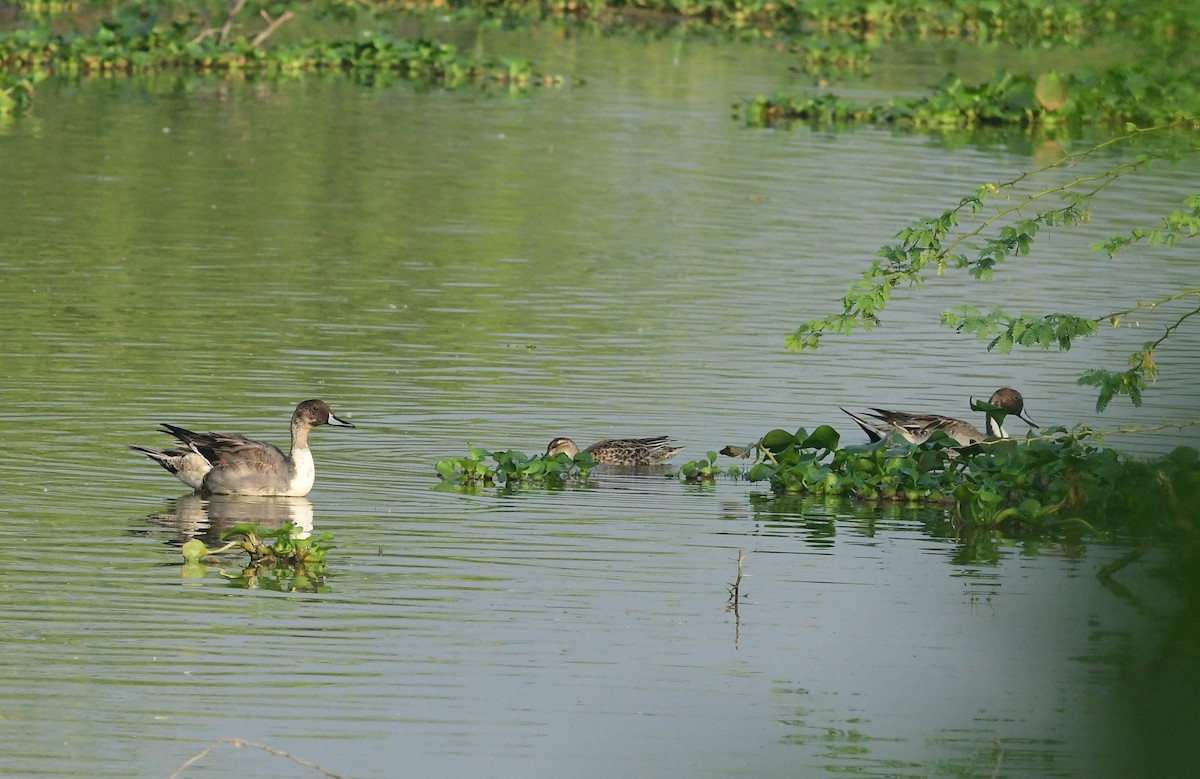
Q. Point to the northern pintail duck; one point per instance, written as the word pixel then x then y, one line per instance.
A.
pixel 228 464
pixel 621 451
pixel 916 428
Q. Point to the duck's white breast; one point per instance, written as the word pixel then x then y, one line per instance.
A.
pixel 304 475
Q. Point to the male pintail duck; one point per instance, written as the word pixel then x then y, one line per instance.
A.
pixel 621 451
pixel 916 428
pixel 227 464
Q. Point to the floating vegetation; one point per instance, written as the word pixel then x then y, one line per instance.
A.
pixel 1032 23
pixel 16 92
pixel 826 58
pixel 286 559
pixel 133 42
pixel 112 50
pixel 706 471
pixel 1113 96
pixel 511 468
pixel 1060 477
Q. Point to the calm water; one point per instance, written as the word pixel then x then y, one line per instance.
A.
pixel 445 269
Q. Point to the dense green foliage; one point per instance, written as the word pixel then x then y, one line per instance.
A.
pixel 1112 96
pixel 1055 478
pixel 999 20
pixel 112 49
pixel 134 41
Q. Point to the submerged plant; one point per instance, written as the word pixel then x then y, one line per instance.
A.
pixel 512 468
pixel 285 558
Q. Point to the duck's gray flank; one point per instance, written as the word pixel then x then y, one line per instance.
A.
pixel 230 464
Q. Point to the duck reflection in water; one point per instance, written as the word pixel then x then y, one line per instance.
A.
pixel 206 518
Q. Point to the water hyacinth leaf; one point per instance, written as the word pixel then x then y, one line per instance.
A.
pixel 447 468
pixel 988 497
pixel 193 550
pixel 824 437
pixel 240 529
pixel 929 460
pixel 762 472
pixel 1030 508
pixel 984 406
pixel 777 440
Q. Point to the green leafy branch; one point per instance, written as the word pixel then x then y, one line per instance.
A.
pixel 1062 329
pixel 1176 225
pixel 938 242
pixel 1142 368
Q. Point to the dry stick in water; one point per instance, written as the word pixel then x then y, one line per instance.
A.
pixel 999 759
pixel 733 588
pixel 734 599
pixel 272 26
pixel 235 8
pixel 237 742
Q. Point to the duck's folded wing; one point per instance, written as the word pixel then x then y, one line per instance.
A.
pixel 224 448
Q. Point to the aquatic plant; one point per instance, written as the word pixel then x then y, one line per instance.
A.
pixel 706 471
pixel 512 468
pixel 1056 478
pixel 1034 23
pixel 286 558
pixel 827 57
pixel 1005 225
pixel 1111 96
pixel 16 91
pixel 130 43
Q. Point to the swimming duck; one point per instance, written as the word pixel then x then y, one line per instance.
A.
pixel 621 451
pixel 228 464
pixel 916 428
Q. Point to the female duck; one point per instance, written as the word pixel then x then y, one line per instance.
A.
pixel 621 451
pixel 228 464
pixel 916 428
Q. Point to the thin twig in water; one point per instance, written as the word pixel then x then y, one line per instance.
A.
pixel 734 600
pixel 737 584
pixel 237 742
pixel 999 758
